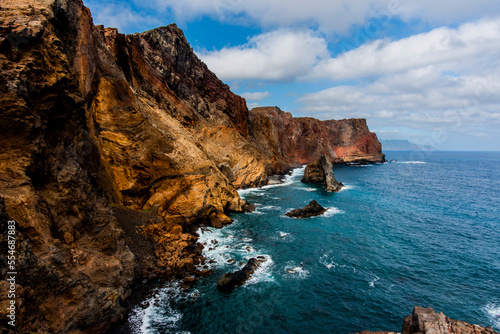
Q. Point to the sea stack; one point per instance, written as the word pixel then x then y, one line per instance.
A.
pixel 321 171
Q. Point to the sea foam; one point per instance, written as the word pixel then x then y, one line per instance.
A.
pixel 493 311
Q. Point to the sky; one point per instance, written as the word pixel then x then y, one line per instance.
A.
pixel 427 71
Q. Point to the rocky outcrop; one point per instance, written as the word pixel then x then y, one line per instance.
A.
pixel 114 148
pixel 285 139
pixel 232 280
pixel 321 171
pixel 426 321
pixel 310 210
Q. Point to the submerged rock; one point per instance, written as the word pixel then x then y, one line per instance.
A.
pixel 310 210
pixel 321 171
pixel 232 280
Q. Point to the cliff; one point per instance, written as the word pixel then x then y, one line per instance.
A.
pixel 302 140
pixel 113 149
pixel 426 321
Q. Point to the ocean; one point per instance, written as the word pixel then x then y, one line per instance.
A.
pixel 422 229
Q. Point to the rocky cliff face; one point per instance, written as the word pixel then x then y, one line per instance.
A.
pixel 302 140
pixel 95 123
pixel 426 321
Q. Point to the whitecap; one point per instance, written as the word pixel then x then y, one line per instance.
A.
pixel 268 207
pixel 494 314
pixel 158 311
pixel 372 282
pixel 293 270
pixel 410 162
pixel 263 273
pixel 332 211
pixel 327 260
pixel 287 180
pixel 283 236
pixel 346 187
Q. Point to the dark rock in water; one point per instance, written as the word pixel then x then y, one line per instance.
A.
pixel 321 171
pixel 231 280
pixel 310 210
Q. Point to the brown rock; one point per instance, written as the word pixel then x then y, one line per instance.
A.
pixel 177 230
pixel 92 117
pixel 426 321
pixel 310 210
pixel 286 140
pixel 321 171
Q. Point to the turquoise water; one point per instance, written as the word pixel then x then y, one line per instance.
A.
pixel 422 229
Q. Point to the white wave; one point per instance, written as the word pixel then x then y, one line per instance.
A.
pixel 283 236
pixel 157 310
pixel 308 189
pixel 410 162
pixel 246 191
pixel 293 270
pixel 372 282
pixel 332 211
pixel 346 187
pixel 494 315
pixel 328 260
pixel 287 180
pixel 221 246
pixel 262 274
pixel 246 239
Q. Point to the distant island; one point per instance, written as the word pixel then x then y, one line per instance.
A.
pixel 403 145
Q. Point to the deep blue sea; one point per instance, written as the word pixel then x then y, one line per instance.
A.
pixel 422 229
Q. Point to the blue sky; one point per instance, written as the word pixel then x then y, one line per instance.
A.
pixel 426 71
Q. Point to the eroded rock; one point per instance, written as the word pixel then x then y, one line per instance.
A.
pixel 232 280
pixel 321 171
pixel 310 210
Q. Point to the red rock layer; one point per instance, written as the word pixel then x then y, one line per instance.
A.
pixel 303 140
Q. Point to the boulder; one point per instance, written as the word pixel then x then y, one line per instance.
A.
pixel 321 171
pixel 310 210
pixel 232 280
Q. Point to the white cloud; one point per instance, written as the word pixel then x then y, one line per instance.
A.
pixel 121 16
pixel 465 48
pixel 256 96
pixel 446 76
pixel 278 55
pixel 334 15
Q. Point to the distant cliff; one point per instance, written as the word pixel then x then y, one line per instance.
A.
pixel 286 139
pixel 95 123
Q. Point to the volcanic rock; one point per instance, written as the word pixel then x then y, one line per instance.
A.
pixel 426 321
pixel 310 210
pixel 321 171
pixel 96 124
pixel 231 280
pixel 286 140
